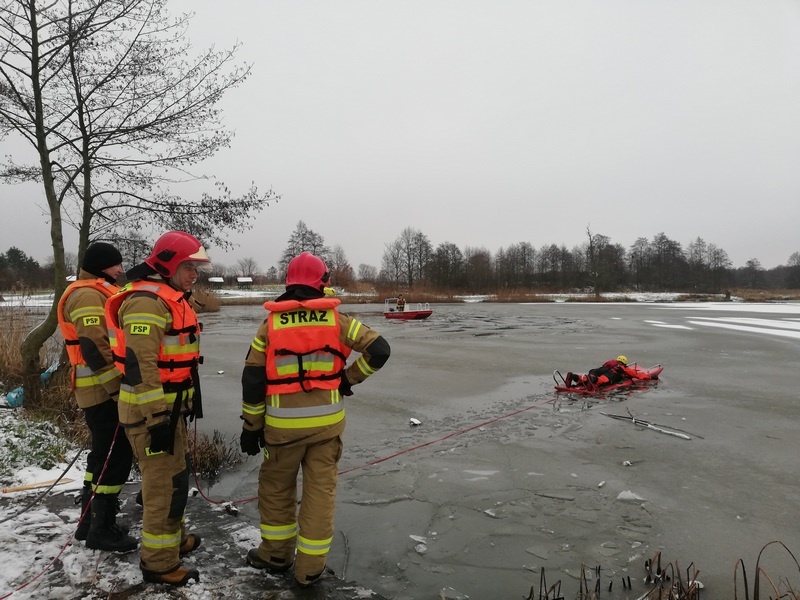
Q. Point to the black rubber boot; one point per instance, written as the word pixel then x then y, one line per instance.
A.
pixel 86 515
pixel 101 535
pixel 111 517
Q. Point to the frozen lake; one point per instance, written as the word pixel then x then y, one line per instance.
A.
pixel 503 478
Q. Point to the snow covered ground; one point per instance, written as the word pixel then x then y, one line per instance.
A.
pixel 41 560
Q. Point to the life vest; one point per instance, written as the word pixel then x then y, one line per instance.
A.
pixel 612 370
pixel 179 354
pixel 304 351
pixel 613 364
pixel 82 375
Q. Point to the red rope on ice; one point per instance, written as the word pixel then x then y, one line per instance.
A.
pixel 371 463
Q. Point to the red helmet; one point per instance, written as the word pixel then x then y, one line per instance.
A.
pixel 173 248
pixel 307 269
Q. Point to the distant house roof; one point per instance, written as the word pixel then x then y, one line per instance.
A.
pixel 216 280
pixel 244 279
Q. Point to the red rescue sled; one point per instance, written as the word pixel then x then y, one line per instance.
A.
pixel 653 372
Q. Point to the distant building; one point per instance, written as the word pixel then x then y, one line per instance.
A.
pixel 244 282
pixel 216 282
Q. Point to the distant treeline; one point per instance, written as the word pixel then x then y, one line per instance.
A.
pixel 411 262
pixel 598 265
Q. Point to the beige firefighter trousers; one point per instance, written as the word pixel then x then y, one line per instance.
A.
pixel 283 528
pixel 165 487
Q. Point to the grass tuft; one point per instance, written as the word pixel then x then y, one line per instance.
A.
pixel 28 442
pixel 215 454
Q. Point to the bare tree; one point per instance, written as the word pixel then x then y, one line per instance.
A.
pixel 33 52
pixel 106 94
pixel 367 273
pixel 415 252
pixel 719 264
pixel 70 263
pixel 341 272
pixel 247 267
pixel 392 263
pixel 591 256
pixel 133 246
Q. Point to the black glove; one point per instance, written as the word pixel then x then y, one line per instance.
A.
pixel 251 442
pixel 160 438
pixel 345 387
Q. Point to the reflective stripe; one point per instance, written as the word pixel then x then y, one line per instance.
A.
pixel 174 346
pixel 316 361
pixel 85 376
pixel 85 382
pixel 126 394
pixel 253 409
pixel 313 547
pixel 167 540
pixel 136 318
pixel 301 418
pixel 305 422
pixel 364 367
pixel 303 412
pixel 258 345
pixel 278 532
pixel 83 371
pixel 112 338
pixel 352 331
pixel 109 375
pixel 86 311
pixel 88 477
pixel 108 489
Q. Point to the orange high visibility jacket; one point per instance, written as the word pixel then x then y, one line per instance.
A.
pixel 91 387
pixel 304 351
pixel 179 353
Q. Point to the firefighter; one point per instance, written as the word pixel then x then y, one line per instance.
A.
pixel 95 382
pixel 294 377
pixel 155 337
pixel 612 371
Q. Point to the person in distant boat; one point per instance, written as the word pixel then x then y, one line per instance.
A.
pixel 610 372
pixel 401 303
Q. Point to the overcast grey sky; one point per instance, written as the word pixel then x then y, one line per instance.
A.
pixel 489 123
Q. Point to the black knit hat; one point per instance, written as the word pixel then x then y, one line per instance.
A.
pixel 100 256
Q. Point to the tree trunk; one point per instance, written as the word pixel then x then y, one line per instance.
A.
pixel 34 341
